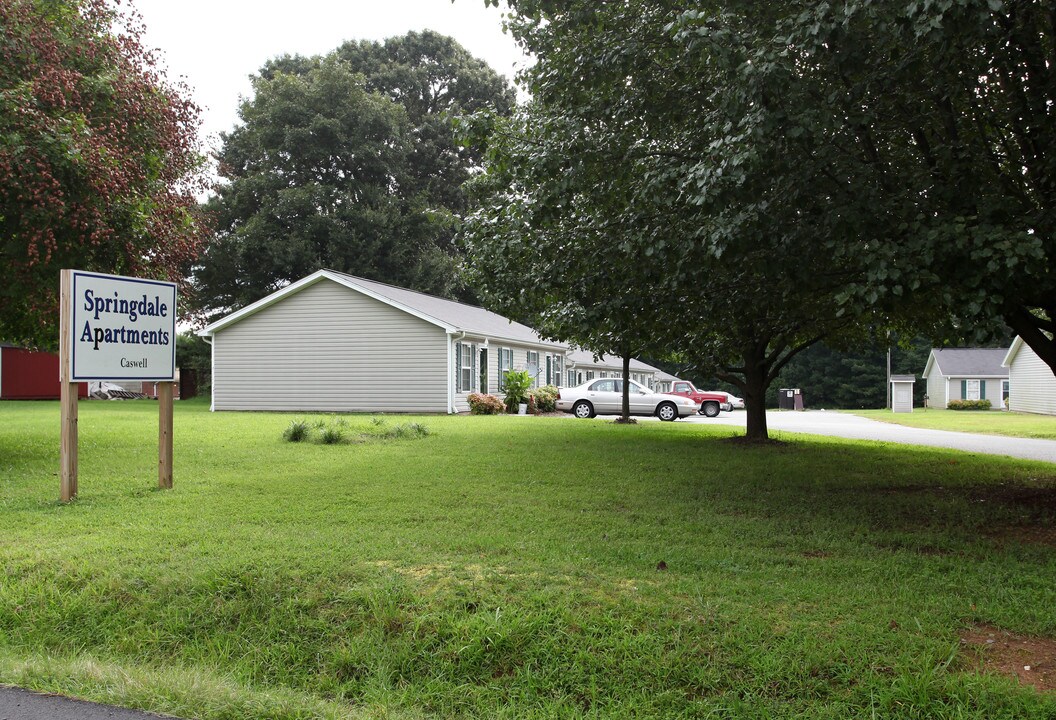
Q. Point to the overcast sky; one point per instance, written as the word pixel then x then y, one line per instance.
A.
pixel 214 45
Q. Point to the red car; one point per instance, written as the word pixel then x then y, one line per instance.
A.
pixel 710 402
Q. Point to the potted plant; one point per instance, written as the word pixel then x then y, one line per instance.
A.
pixel 518 382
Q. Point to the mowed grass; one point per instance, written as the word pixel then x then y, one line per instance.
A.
pixel 506 567
pixel 992 422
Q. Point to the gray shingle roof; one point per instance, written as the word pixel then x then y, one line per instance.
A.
pixel 586 357
pixel 970 362
pixel 474 320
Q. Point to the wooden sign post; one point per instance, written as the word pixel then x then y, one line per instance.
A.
pixel 115 328
pixel 165 435
pixel 67 395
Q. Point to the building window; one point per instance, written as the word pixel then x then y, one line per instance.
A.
pixel 971 390
pixel 558 367
pixel 572 378
pixel 590 375
pixel 533 366
pixel 505 363
pixel 466 368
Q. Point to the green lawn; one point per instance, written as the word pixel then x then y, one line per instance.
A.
pixel 992 422
pixel 506 567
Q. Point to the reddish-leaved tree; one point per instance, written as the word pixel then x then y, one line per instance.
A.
pixel 100 162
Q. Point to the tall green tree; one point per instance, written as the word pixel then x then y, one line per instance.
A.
pixel 932 124
pixel 635 178
pixel 552 245
pixel 850 164
pixel 99 158
pixel 347 161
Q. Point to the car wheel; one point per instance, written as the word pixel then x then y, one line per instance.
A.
pixel 667 412
pixel 583 409
pixel 710 409
pixel 727 407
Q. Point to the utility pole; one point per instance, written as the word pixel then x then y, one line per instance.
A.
pixel 888 371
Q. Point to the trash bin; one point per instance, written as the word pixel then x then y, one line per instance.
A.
pixel 789 399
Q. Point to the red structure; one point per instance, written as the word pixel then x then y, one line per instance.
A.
pixel 31 375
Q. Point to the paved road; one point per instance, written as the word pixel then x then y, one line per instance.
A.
pixel 18 704
pixel 820 422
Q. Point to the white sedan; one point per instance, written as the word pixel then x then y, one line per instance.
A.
pixel 605 397
pixel 734 402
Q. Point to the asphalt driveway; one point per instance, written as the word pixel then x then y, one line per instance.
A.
pixel 19 704
pixel 820 422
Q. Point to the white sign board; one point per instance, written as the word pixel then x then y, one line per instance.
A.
pixel 122 328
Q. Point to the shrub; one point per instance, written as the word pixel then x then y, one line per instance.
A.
pixel 969 405
pixel 421 430
pixel 332 435
pixel 410 430
pixel 483 404
pixel 298 431
pixel 518 383
pixel 546 398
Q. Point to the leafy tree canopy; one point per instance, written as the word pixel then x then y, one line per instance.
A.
pixel 612 186
pixel 99 159
pixel 804 169
pixel 347 161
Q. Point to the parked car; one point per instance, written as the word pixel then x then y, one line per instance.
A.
pixel 735 403
pixel 604 396
pixel 708 403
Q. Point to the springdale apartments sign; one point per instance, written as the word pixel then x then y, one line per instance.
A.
pixel 122 328
pixel 114 328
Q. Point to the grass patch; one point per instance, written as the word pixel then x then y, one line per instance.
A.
pixel 336 430
pixel 993 422
pixel 503 569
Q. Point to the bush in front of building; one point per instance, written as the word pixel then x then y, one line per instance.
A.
pixel 546 398
pixel 968 405
pixel 484 404
pixel 517 383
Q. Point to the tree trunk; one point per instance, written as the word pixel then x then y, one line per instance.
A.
pixel 625 414
pixel 755 385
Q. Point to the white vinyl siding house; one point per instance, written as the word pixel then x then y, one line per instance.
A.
pixel 965 374
pixel 1032 384
pixel 512 356
pixel 334 342
pixel 328 347
pixel 585 366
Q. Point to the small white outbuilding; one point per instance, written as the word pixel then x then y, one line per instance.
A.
pixel 902 393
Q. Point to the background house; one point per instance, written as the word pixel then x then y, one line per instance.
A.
pixel 584 366
pixel 1033 386
pixel 966 374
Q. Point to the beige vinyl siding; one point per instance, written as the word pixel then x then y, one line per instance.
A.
pixel 936 389
pixel 520 362
pixel 330 348
pixel 992 391
pixel 1032 387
